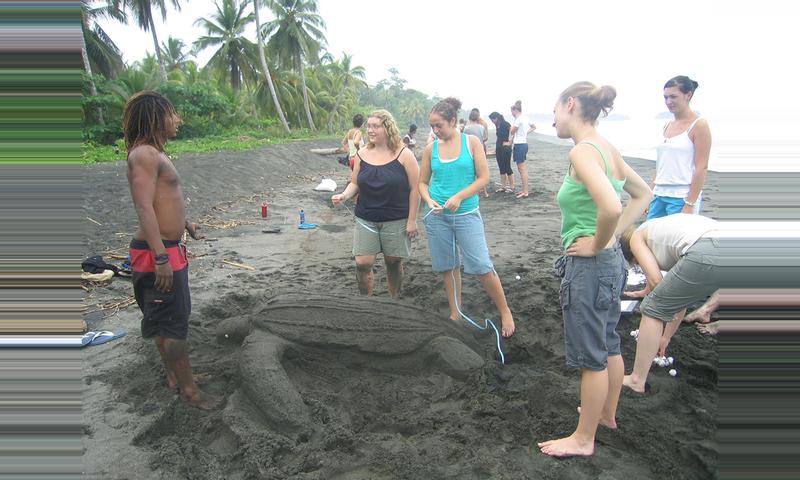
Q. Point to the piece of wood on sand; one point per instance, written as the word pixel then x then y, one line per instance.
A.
pixel 238 265
pixel 326 151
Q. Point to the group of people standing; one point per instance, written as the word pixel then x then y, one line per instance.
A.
pixel 596 231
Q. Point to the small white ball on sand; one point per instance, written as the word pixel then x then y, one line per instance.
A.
pixel 673 372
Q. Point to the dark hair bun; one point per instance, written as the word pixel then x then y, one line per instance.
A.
pixel 454 102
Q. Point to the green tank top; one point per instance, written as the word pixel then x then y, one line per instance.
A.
pixel 578 210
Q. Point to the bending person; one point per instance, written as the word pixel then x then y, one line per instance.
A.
pixel 592 269
pixel 452 172
pixel 385 176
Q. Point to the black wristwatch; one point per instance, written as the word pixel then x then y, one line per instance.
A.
pixel 162 259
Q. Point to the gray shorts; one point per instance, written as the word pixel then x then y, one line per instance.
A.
pixel 389 238
pixel 714 263
pixel 590 303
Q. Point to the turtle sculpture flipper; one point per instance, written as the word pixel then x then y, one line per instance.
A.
pixel 370 326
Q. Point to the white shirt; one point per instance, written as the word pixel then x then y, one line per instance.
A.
pixel 521 135
pixel 670 237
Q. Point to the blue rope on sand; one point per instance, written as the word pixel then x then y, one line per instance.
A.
pixel 486 322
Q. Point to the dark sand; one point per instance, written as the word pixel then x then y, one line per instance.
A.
pixel 322 384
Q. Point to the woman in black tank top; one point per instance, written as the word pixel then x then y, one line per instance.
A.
pixel 385 178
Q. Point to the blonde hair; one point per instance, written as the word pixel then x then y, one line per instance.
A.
pixel 392 132
pixel 625 243
pixel 594 100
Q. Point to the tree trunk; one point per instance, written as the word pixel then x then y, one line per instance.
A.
pixel 265 69
pixel 235 77
pixel 162 70
pixel 305 95
pixel 334 112
pixel 92 87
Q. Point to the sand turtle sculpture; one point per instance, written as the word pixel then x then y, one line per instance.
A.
pixel 384 328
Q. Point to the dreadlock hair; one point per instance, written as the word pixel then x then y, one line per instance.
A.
pixel 144 120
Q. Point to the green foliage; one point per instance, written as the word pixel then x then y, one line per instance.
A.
pixel 268 133
pixel 203 110
pixel 230 94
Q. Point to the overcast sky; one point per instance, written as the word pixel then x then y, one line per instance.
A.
pixel 490 54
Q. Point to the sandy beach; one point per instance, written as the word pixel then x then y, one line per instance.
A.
pixel 320 383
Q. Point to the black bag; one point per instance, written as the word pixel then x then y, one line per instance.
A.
pixel 96 264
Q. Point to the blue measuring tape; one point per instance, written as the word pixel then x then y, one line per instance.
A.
pixel 487 322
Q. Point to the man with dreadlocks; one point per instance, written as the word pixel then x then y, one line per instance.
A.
pixel 158 257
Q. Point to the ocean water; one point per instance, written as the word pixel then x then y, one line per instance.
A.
pixel 749 145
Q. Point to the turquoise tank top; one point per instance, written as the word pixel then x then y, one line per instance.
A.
pixel 578 210
pixel 449 177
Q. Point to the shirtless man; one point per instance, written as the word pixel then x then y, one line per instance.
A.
pixel 158 258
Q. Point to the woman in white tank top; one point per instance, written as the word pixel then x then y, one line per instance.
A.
pixel 682 159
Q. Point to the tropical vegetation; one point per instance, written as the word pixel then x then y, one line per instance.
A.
pixel 282 83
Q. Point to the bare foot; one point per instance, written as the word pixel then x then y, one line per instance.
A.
pixel 508 328
pixel 627 381
pixel 172 382
pixel 612 424
pixel 708 328
pixel 566 447
pixel 202 400
pixel 703 314
pixel 522 195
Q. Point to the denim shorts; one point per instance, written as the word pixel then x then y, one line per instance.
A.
pixel 445 231
pixel 590 304
pixel 520 152
pixel 664 206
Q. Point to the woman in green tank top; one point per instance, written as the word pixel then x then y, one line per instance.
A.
pixel 592 269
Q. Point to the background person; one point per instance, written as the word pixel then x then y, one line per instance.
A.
pixel 503 152
pixel 520 129
pixel 476 127
pixel 352 139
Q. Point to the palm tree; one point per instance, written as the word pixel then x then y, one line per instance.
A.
pixel 348 78
pixel 142 11
pixel 225 28
pixel 296 35
pixel 97 47
pixel 265 68
pixel 172 51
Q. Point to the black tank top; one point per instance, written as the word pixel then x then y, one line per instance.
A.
pixel 382 191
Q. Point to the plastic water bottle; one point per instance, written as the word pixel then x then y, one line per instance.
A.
pixel 302 217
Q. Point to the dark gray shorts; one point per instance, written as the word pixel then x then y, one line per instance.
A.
pixel 714 263
pixel 590 293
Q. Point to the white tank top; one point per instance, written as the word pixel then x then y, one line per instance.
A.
pixel 675 164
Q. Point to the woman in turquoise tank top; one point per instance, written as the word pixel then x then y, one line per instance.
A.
pixel 593 269
pixel 452 172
